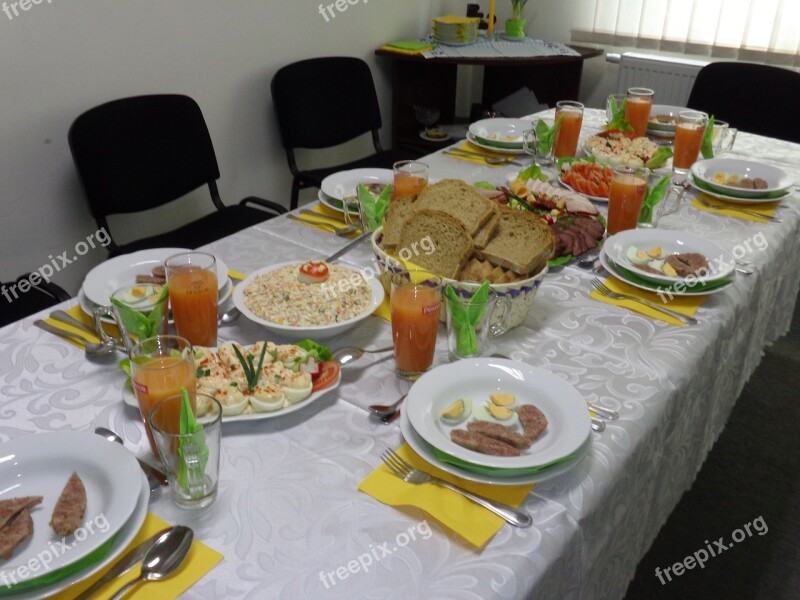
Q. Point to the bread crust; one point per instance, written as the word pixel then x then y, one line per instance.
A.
pixel 452 244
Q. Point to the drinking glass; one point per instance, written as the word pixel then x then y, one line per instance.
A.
pixel 469 322
pixel 723 137
pixel 194 296
pixel 637 108
pixel 688 139
pixel 668 205
pixel 626 194
pixel 542 154
pixel 190 458
pixel 415 303
pixel 618 99
pixel 571 115
pixel 410 178
pixel 160 367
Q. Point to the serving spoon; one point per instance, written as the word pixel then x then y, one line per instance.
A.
pixel 348 354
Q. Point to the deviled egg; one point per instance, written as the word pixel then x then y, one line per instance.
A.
pixel 296 385
pixel 232 400
pixel 267 398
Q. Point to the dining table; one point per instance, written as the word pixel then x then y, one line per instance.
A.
pixel 289 519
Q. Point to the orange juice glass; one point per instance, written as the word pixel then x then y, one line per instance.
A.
pixel 626 194
pixel 637 109
pixel 410 178
pixel 194 296
pixel 571 115
pixel 160 367
pixel 415 303
pixel 688 138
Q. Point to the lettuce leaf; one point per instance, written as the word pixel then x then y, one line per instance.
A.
pixel 319 351
pixel 532 172
pixel 659 157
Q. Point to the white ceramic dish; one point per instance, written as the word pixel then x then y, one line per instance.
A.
pixel 428 138
pixel 568 418
pixel 343 184
pixel 501 132
pixel 40 465
pixel 471 138
pixel 701 187
pixel 318 332
pixel 426 451
pixel 663 109
pixel 777 179
pixel 721 262
pixel 109 276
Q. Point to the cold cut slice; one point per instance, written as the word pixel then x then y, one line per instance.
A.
pixel 19 529
pixel 533 421
pixel 501 433
pixel 70 508
pixel 481 443
pixel 9 508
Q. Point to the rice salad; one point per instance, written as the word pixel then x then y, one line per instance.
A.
pixel 279 297
pixel 620 150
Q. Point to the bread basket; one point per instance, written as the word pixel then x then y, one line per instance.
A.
pixel 520 292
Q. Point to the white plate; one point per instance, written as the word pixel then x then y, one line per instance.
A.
pixel 343 184
pixel 109 276
pixel 501 132
pixel 663 109
pixel 568 419
pixel 777 179
pixel 721 262
pixel 592 198
pixel 121 541
pixel 335 204
pixel 40 465
pixel 471 137
pixel 616 271
pixel 733 199
pixel 667 135
pixel 426 452
pixel 428 138
pixel 317 332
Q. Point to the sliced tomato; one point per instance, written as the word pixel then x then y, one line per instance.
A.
pixel 314 268
pixel 326 376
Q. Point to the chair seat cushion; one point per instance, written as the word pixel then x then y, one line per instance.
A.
pixel 203 231
pixel 381 160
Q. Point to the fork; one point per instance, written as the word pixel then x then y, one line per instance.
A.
pixel 489 160
pixel 604 291
pixel 341 231
pixel 752 213
pixel 411 474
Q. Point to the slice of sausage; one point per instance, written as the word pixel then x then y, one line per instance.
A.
pixel 501 433
pixel 19 529
pixel 481 443
pixel 533 421
pixel 9 508
pixel 70 508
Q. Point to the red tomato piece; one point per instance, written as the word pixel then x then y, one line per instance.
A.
pixel 326 376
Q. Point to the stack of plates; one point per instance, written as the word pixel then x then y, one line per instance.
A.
pixel 618 259
pixel 117 495
pixel 500 133
pixel 663 129
pixel 107 277
pixel 562 445
pixel 708 176
pixel 340 187
pixel 453 30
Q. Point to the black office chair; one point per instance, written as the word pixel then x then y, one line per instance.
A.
pixel 142 152
pixel 18 301
pixel 324 102
pixel 754 98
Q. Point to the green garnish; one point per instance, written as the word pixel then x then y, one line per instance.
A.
pixel 532 172
pixel 707 148
pixel 659 157
pixel 203 372
pixel 484 185
pixel 318 351
pixel 251 372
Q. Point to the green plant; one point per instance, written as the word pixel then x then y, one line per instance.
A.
pixel 516 8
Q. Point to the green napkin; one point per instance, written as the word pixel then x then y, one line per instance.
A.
pixel 653 197
pixel 193 451
pixel 659 157
pixel 699 183
pixel 410 45
pixel 139 324
pixel 373 208
pixel 618 120
pixel 546 135
pixel 468 466
pixel 466 318
pixel 707 148
pixel 698 287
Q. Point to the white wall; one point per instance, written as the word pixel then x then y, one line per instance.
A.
pixel 61 57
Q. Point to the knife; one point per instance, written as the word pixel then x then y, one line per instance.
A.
pixel 131 559
pixel 347 248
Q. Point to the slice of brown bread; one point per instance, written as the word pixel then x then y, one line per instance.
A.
pixel 459 199
pixel 522 242
pixel 452 244
pixel 397 213
pixel 482 270
pixel 487 231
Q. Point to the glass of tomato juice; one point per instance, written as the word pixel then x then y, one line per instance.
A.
pixel 410 178
pixel 160 367
pixel 415 303
pixel 688 139
pixel 626 194
pixel 570 114
pixel 637 109
pixel 194 296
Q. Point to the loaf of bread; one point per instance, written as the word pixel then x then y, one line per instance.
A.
pixel 460 200
pixel 452 244
pixel 522 242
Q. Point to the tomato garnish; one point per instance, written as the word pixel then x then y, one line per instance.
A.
pixel 326 376
pixel 314 268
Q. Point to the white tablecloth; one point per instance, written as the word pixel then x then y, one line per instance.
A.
pixel 288 511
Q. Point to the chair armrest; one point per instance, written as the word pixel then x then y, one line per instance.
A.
pixel 55 290
pixel 268 204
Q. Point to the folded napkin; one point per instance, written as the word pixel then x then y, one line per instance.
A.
pixel 410 47
pixel 200 560
pixel 469 520
pixel 470 147
pixel 686 305
pixel 729 208
pixel 325 215
pixel 77 312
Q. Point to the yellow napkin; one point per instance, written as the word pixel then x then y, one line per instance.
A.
pixel 325 215
pixel 727 208
pixel 686 305
pixel 77 312
pixel 469 520
pixel 200 560
pixel 383 310
pixel 236 275
pixel 470 147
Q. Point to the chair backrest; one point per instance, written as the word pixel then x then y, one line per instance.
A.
pixel 137 153
pixel 323 102
pixel 752 97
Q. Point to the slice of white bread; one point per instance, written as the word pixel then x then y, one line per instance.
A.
pixel 522 242
pixel 452 244
pixel 487 231
pixel 397 213
pixel 459 199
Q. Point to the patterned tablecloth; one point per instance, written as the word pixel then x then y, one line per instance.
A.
pixel 288 511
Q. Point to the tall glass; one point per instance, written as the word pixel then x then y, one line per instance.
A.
pixel 415 303
pixel 410 178
pixel 688 139
pixel 541 152
pixel 612 101
pixel 626 194
pixel 194 296
pixel 637 109
pixel 723 137
pixel 160 367
pixel 571 115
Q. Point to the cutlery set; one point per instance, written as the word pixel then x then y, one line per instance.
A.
pixel 489 160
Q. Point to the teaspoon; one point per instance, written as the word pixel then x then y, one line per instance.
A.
pixel 384 410
pixel 350 353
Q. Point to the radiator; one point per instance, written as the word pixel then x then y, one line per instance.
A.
pixel 671 78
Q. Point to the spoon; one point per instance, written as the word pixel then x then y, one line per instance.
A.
pixel 489 160
pixel 93 351
pixel 154 477
pixel 347 354
pixel 229 317
pixel 385 410
pixel 164 556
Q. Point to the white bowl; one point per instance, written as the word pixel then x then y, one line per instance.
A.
pixel 315 332
pixel 777 179
pixel 663 109
pixel 501 132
